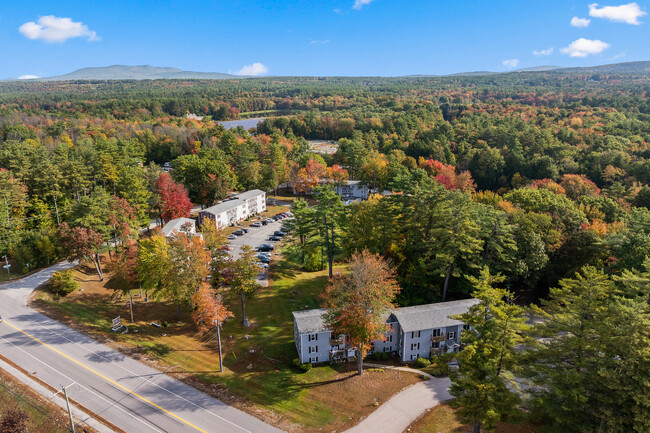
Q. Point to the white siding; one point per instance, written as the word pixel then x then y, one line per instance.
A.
pixel 321 343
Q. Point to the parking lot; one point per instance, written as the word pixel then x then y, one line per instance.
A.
pixel 254 238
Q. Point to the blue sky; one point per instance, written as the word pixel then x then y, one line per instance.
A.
pixel 328 37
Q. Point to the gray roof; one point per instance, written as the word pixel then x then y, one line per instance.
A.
pixel 232 203
pixel 176 225
pixel 310 321
pixel 432 316
pixel 249 194
pixel 223 207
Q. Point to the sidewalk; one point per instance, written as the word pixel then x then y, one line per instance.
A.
pixel 402 409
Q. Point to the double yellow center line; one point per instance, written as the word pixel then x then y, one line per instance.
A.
pixel 146 400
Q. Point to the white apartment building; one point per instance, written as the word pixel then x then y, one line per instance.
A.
pixel 419 331
pixel 179 225
pixel 235 209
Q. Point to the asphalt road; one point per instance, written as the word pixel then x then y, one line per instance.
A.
pixel 255 237
pixel 127 393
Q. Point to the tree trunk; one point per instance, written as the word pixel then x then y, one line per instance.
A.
pixel 131 305
pixel 98 267
pixel 178 311
pixel 219 342
pixel 56 209
pixel 243 309
pixel 360 359
pixel 477 427
pixel 444 289
pixel 330 254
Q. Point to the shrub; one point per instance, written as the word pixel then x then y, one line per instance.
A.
pixel 14 421
pixel 63 283
pixel 302 367
pixel 422 362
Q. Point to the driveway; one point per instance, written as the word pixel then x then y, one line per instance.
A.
pixel 131 395
pixel 395 415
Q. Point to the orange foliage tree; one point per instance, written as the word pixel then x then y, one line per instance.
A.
pixel 209 311
pixel 358 303
pixel 310 176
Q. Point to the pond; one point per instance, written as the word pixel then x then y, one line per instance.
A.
pixel 244 123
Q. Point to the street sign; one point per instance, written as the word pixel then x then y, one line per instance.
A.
pixel 117 321
pixel 6 266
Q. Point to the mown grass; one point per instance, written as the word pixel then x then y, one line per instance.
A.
pixel 257 360
pixel 44 417
pixel 444 419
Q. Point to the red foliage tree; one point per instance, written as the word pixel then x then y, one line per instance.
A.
pixel 81 243
pixel 445 174
pixel 174 199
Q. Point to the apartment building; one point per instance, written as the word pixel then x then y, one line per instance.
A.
pixel 235 208
pixel 418 331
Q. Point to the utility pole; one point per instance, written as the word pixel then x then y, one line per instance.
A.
pixel 219 340
pixel 67 402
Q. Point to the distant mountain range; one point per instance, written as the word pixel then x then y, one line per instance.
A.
pixel 146 72
pixel 142 72
pixel 615 68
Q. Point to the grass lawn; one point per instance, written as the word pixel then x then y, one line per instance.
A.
pixel 443 419
pixel 44 416
pixel 258 376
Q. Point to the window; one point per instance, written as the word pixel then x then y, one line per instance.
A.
pixel 415 334
pixel 387 348
pixel 415 346
pixel 313 337
pixel 451 335
pixel 466 327
pixel 390 338
pixel 437 332
pixel 435 345
pixel 313 359
pixel 313 349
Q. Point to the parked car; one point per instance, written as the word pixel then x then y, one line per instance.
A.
pixel 231 237
pixel 269 220
pixel 264 259
pixel 275 238
pixel 244 229
pixel 265 247
pixel 238 233
pixel 279 233
pixel 256 225
pixel 262 265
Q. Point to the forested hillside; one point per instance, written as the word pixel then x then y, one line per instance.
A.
pixel 532 174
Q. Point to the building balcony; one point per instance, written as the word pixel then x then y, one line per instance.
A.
pixel 435 351
pixel 337 341
pixel 338 354
pixel 438 339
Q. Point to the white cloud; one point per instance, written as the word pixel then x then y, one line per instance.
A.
pixel 326 41
pixel 254 69
pixel 580 22
pixel 584 47
pixel 27 77
pixel 358 4
pixel 627 13
pixel 54 29
pixel 546 52
pixel 511 63
pixel 337 11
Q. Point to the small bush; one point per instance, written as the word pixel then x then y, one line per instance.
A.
pixel 384 356
pixel 14 421
pixel 422 362
pixel 63 283
pixel 302 367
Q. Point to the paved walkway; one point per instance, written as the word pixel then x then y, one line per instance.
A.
pixel 402 409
